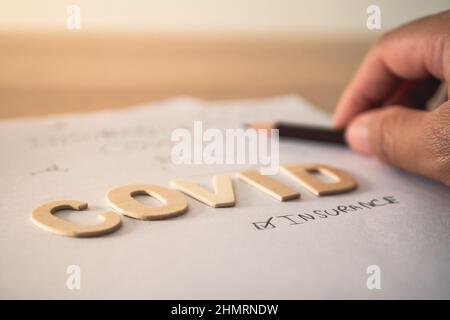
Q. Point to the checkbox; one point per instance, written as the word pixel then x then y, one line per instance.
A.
pixel 264 225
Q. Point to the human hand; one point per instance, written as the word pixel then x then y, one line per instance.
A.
pixel 381 106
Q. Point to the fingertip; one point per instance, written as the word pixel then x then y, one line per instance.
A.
pixel 337 120
pixel 357 134
pixel 342 113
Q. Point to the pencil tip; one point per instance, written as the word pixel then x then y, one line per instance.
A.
pixel 260 125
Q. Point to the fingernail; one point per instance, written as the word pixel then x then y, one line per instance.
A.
pixel 358 134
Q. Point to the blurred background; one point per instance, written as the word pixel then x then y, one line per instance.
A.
pixel 128 52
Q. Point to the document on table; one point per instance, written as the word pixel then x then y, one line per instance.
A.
pixel 259 249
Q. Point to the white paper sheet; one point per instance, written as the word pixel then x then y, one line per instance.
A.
pixel 210 253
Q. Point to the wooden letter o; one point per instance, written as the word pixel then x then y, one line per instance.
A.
pixel 122 200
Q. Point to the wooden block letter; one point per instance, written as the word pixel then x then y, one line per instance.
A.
pixel 223 195
pixel 44 217
pixel 268 185
pixel 122 200
pixel 303 175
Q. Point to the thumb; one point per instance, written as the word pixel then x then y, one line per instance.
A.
pixel 416 141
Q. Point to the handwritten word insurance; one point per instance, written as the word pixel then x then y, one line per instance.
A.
pixel 317 215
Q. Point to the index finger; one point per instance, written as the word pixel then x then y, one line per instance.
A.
pixel 415 51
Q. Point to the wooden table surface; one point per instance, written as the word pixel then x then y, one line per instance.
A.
pixel 55 73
